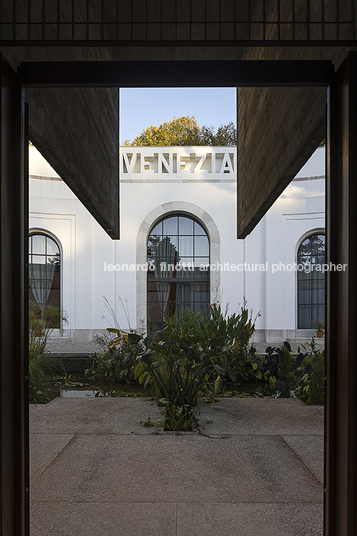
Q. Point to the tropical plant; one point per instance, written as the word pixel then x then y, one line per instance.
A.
pixel 117 362
pixel 283 370
pixel 185 131
pixel 312 388
pixel 244 366
pixel 40 370
pixel 187 356
pixel 177 418
pixel 41 366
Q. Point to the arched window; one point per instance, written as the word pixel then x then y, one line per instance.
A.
pixel 44 278
pixel 311 281
pixel 178 274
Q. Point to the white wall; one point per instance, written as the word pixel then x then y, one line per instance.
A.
pixel 86 247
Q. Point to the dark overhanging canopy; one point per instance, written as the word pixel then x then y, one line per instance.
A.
pixel 227 73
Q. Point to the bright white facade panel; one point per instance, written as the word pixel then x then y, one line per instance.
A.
pixel 196 181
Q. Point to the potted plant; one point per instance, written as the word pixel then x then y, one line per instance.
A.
pixel 320 327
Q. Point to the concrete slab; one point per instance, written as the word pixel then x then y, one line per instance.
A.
pixel 93 415
pixel 47 447
pixel 177 468
pixel 103 519
pixel 268 416
pixel 310 450
pixel 249 520
pixel 97 470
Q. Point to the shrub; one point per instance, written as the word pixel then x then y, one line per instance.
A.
pixel 312 388
pixel 41 367
pixel 283 370
pixel 187 356
pixel 117 362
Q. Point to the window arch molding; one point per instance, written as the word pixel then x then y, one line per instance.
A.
pixel 306 235
pixel 48 234
pixel 162 211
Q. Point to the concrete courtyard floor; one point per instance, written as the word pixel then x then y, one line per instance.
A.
pixel 96 471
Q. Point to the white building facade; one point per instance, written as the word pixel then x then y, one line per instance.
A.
pixel 178 207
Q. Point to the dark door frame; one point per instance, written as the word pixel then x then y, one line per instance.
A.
pixel 341 405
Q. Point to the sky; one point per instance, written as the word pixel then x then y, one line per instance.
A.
pixel 143 107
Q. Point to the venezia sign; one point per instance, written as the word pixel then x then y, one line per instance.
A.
pixel 188 162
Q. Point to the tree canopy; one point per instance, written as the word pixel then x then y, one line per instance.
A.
pixel 185 131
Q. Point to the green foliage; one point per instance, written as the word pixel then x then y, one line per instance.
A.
pixel 41 367
pixel 117 362
pixel 39 364
pixel 300 376
pixel 186 357
pixel 244 367
pixel 40 370
pixel 177 418
pixel 185 131
pixel 312 388
pixel 282 369
pixel 226 135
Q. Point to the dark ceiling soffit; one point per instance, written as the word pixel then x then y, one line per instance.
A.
pixel 151 43
pixel 177 74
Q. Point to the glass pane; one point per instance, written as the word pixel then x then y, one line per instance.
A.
pixel 164 269
pixel 305 274
pixel 317 273
pixel 157 230
pixel 163 250
pixel 163 294
pixel 152 243
pixel 53 260
pixel 304 296
pixel 202 261
pixel 38 244
pixel 185 268
pixel 202 292
pixel 186 246
pixel 201 246
pixel 174 241
pixel 151 286
pixel 318 292
pixel 170 226
pixel 52 248
pixel 30 244
pixel 151 273
pixel 38 259
pixel 202 267
pixel 318 244
pixel 56 278
pixel 304 317
pixel 318 313
pixel 185 293
pixel 199 229
pixel 185 226
pixel 302 259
